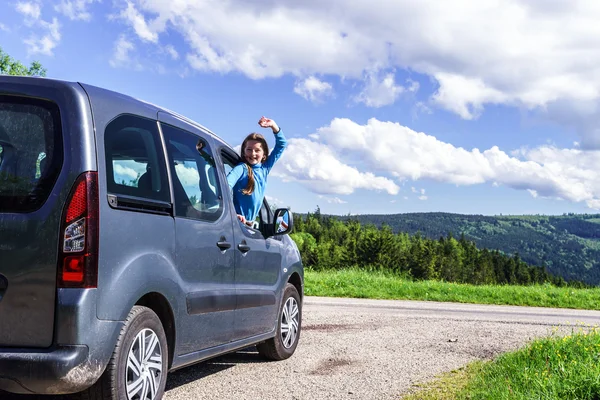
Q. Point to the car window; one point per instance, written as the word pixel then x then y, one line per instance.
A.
pixel 134 159
pixel 229 161
pixel 194 174
pixel 31 152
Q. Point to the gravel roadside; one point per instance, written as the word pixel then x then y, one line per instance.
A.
pixel 357 353
pixel 360 349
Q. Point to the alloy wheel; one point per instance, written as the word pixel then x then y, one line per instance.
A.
pixel 290 318
pixel 144 366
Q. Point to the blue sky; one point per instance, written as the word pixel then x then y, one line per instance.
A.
pixel 389 106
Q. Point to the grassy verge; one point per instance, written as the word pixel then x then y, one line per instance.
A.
pixel 379 285
pixel 553 368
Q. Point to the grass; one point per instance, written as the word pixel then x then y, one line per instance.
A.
pixel 553 368
pixel 380 285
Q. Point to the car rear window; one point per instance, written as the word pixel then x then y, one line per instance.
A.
pixel 31 152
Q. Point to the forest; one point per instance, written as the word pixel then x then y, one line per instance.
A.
pixel 447 247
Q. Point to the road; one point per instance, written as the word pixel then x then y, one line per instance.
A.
pixel 371 349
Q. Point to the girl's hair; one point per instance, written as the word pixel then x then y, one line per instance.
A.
pixel 263 143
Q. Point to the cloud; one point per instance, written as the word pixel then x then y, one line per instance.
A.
pixel 188 176
pixel 274 201
pixel 45 35
pixel 75 9
pixel 144 30
pixel 172 52
pixel 122 54
pixel 529 54
pixel 30 9
pixel 125 172
pixel 4 27
pixel 48 41
pixel 333 200
pixel 313 89
pixel 382 91
pixel 398 151
pixel 318 168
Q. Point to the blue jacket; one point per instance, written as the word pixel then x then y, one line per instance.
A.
pixel 248 205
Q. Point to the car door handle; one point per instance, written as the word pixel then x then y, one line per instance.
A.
pixel 243 247
pixel 223 244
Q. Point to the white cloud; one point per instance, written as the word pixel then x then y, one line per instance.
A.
pixel 531 54
pixel 48 41
pixel 546 171
pixel 45 35
pixel 275 202
pixel 75 9
pixel 382 91
pixel 333 200
pixel 144 30
pixel 465 96
pixel 30 9
pixel 125 172
pixel 4 27
pixel 122 54
pixel 313 89
pixel 172 52
pixel 318 168
pixel 188 176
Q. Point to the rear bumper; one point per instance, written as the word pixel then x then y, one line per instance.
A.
pixel 63 369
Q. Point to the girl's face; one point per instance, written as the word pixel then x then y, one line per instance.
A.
pixel 254 152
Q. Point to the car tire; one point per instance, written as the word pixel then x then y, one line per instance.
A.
pixel 289 324
pixel 138 367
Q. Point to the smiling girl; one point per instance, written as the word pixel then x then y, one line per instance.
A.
pixel 248 180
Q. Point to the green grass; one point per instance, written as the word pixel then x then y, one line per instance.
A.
pixel 448 385
pixel 565 367
pixel 555 368
pixel 379 285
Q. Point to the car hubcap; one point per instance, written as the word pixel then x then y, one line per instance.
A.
pixel 289 322
pixel 144 366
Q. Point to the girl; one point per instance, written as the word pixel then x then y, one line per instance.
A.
pixel 248 179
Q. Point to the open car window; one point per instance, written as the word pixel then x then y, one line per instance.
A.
pixel 230 160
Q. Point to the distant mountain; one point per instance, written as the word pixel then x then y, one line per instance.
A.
pixel 568 245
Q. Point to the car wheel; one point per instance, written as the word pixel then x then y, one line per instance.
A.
pixel 138 367
pixel 286 338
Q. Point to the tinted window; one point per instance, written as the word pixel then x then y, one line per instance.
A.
pixel 31 153
pixel 193 170
pixel 134 159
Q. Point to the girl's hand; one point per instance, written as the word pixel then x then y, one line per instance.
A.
pixel 268 123
pixel 242 219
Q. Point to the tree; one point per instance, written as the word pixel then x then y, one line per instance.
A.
pixel 10 66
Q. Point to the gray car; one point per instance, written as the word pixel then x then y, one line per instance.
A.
pixel 121 257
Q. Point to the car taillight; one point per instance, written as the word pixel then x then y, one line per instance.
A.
pixel 78 266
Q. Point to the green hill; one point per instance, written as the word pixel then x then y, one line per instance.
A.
pixel 568 245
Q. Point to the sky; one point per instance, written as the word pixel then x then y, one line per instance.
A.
pixel 389 106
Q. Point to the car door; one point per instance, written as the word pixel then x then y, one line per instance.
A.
pixel 257 271
pixel 204 241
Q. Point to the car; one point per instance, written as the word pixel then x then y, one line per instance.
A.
pixel 121 255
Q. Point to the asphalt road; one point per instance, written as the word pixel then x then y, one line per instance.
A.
pixel 371 349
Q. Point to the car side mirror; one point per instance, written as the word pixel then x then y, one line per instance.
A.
pixel 283 221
